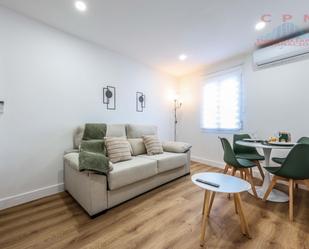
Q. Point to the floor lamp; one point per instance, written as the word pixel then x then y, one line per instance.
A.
pixel 177 105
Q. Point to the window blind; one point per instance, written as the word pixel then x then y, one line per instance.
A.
pixel 222 101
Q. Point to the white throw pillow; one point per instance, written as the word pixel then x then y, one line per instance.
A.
pixel 153 145
pixel 118 149
pixel 176 147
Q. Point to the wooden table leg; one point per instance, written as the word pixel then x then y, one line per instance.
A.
pixel 242 225
pixel 205 194
pixel 211 202
pixel 205 217
pixel 235 204
pixel 243 220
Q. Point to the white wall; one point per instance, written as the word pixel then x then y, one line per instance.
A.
pixel 274 99
pixel 51 83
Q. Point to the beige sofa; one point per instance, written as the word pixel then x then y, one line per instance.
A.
pixel 96 193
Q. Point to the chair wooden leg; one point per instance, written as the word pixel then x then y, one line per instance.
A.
pixel 251 172
pixel 270 187
pixel 241 172
pixel 211 202
pixel 260 169
pixel 205 218
pixel 295 185
pixel 226 168
pixel 251 182
pixel 291 190
pixel 233 171
pixel 242 216
pixel 306 182
pixel 233 174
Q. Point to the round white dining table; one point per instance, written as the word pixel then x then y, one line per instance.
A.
pixel 275 195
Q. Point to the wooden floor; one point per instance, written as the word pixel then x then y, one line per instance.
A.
pixel 167 217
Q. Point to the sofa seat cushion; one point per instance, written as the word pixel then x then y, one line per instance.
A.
pixel 127 172
pixel 168 161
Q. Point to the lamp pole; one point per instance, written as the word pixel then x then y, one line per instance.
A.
pixel 177 105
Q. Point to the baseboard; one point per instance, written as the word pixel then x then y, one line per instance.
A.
pixel 15 200
pixel 212 163
pixel 218 164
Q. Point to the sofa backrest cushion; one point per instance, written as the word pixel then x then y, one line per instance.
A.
pixel 116 130
pixel 138 131
pixel 137 146
pixel 113 130
pixel 78 136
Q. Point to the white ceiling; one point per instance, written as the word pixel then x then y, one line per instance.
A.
pixel 155 32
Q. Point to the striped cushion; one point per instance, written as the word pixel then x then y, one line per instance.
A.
pixel 118 149
pixel 153 145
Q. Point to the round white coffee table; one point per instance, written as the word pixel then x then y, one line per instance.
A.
pixel 227 184
pixel 275 195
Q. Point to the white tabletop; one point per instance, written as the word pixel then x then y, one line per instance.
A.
pixel 228 184
pixel 263 146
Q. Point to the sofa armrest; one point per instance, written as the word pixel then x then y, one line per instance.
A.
pixel 68 151
pixel 72 159
pixel 89 190
pixel 176 147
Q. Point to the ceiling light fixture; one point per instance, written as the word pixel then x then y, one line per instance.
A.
pixel 182 57
pixel 80 6
pixel 260 25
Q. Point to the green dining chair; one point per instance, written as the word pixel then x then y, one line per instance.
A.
pixel 245 152
pixel 244 166
pixel 302 140
pixel 294 169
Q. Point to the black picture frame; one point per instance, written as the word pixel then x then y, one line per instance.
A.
pixel 109 97
pixel 140 101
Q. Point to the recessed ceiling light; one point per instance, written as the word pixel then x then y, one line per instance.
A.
pixel 260 25
pixel 182 57
pixel 81 6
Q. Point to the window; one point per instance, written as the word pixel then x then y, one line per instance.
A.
pixel 222 102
